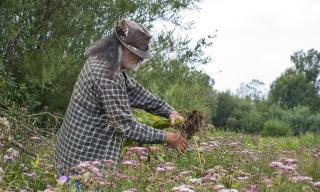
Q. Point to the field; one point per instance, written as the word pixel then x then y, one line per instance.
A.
pixel 215 161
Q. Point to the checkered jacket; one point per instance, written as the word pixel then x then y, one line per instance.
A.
pixel 99 117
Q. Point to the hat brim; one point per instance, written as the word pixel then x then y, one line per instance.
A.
pixel 138 52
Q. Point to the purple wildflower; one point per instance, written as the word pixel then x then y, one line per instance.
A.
pixel 11 155
pixel 63 179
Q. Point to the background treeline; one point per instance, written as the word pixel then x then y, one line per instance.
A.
pixel 290 107
pixel 42 50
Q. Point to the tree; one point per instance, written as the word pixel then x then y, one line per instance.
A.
pixel 291 90
pixel 307 63
pixel 226 104
pixel 253 90
pixel 299 85
pixel 43 42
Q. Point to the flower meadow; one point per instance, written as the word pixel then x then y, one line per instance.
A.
pixel 215 161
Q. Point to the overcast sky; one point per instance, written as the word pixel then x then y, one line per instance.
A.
pixel 255 38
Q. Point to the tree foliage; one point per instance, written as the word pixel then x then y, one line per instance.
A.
pixel 298 85
pixel 43 45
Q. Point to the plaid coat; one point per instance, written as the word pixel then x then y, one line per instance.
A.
pixel 99 117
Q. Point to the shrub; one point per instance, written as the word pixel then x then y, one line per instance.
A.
pixel 275 128
pixel 299 120
pixel 314 123
pixel 245 117
pixel 226 104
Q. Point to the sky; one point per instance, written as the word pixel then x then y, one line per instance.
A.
pixel 255 38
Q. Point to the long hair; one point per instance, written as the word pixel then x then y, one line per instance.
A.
pixel 108 48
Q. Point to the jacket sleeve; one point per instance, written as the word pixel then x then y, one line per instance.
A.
pixel 115 102
pixel 141 98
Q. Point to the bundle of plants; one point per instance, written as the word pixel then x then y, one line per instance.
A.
pixel 192 124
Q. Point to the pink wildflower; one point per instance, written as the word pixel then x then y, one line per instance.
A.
pixel 95 171
pixel 143 158
pixel 130 163
pixel 218 187
pixel 4 121
pixel 228 190
pixel 301 179
pixel 35 138
pixel 288 161
pixel 48 190
pixel 168 166
pixel 287 168
pixel 184 173
pixel 183 188
pixel 11 155
pixel 275 164
pixel 316 184
pixel 154 149
pixel 138 150
pixel 211 177
pixel 108 162
pixel 246 152
pixel 95 163
pixel 1 174
pixel 250 188
pixel 268 183
pixel 195 180
pixel 233 144
pixel 130 190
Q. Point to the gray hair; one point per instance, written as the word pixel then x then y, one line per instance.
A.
pixel 108 48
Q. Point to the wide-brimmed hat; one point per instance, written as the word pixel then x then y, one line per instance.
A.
pixel 134 37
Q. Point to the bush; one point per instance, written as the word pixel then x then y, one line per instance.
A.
pixel 226 104
pixel 252 122
pixel 275 128
pixel 12 93
pixel 314 123
pixel 245 117
pixel 299 120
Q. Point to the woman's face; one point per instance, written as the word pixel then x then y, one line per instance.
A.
pixel 130 60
